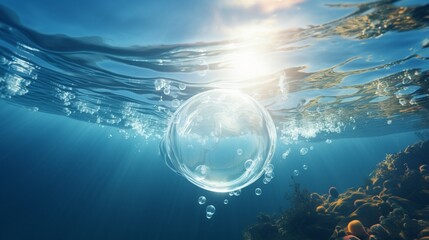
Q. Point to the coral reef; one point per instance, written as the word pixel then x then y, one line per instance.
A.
pixel 393 204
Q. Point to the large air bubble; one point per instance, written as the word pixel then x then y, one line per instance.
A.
pixel 220 140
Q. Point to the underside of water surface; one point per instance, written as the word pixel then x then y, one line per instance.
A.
pixel 363 74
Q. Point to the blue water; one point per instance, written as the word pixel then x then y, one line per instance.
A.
pixel 87 90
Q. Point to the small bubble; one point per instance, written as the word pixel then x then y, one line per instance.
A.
pixel 159 84
pixel 269 175
pixel 402 101
pixel 328 141
pixel 225 201
pixel 266 180
pixel 110 135
pixel 389 122
pixel 210 211
pixel 303 151
pixel 166 90
pixel 201 200
pixel 295 172
pixel 311 148
pixel 239 151
pixel 269 168
pixel 182 86
pixel 231 194
pixel 175 103
pixel 248 165
pixel 201 171
pixel 258 191
pixel 237 192
pixel 285 154
pixel 305 167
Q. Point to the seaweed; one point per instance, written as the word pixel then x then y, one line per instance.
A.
pixel 302 213
pixel 300 221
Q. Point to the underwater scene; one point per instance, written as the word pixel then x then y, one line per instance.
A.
pixel 228 119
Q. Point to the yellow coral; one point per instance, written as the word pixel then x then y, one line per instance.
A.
pixel 321 209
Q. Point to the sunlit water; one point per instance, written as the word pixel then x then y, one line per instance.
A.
pixel 361 75
pixel 351 76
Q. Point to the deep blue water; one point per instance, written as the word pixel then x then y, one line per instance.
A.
pixel 66 179
pixel 81 119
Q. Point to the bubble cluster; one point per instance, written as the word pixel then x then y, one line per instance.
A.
pixel 161 83
pixel 269 174
pixel 232 137
pixel 169 88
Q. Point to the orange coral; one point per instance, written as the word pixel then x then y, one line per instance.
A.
pixel 321 209
pixel 356 228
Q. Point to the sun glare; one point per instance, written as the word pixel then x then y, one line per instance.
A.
pixel 249 57
pixel 248 64
pixel 267 6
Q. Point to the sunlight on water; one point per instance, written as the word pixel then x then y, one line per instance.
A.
pixel 331 80
pixel 249 62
